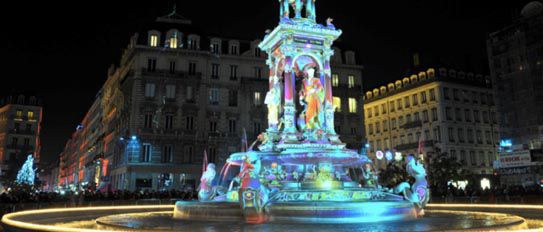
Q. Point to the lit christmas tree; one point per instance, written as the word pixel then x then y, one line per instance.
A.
pixel 27 174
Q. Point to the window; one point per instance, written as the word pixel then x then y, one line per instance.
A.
pixel 485 117
pixel 172 67
pixel 437 133
pixel 153 40
pixel 385 125
pixel 213 96
pixel 456 94
pixel 257 100
pixel 427 135
pixel 465 95
pixel 369 113
pixel 488 137
pixel 170 91
pixel 337 104
pixel 400 121
pixel 168 124
pixel 351 81
pixel 377 127
pixel 399 104
pixel 150 90
pixel 458 114
pixel 26 142
pixel 173 41
pixel 470 135
pixel 376 110
pixel 463 159
pixel 190 95
pixel 146 153
pixel 432 95
pixel 446 93
pixel 167 154
pixel 215 48
pixel 257 72
pixel 415 99
pixel 425 116
pixel 407 104
pixel 393 123
pixel 467 115
pixel 232 126
pixel 423 97
pixel 434 114
pixel 148 121
pixel 483 98
pixel 212 126
pixel 461 135
pixel 479 135
pixel 352 105
pixel 448 113
pixel 474 97
pixel 335 80
pixel 232 98
pixel 233 72
pixel 490 158
pixel 391 106
pixel 473 158
pixel 416 117
pixel 14 142
pixel 19 114
pixel 193 43
pixel 30 115
pixel 476 117
pixel 234 50
pixel 451 134
pixel 192 68
pixel 187 157
pixel 353 130
pixel 215 71
pixel 151 64
pixel 383 108
pixel 189 123
pixel 212 155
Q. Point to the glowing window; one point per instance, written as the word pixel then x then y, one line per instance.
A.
pixel 19 114
pixel 351 81
pixel 30 115
pixel 352 105
pixel 173 42
pixel 153 41
pixel 257 99
pixel 337 104
pixel 335 80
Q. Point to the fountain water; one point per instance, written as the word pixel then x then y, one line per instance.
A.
pixel 299 169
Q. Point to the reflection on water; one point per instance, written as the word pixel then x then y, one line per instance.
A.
pixel 436 220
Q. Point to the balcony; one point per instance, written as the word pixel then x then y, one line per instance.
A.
pixel 409 146
pixel 22 132
pixel 167 73
pixel 409 125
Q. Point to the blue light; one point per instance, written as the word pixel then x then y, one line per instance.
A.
pixel 122 139
pixel 367 145
pixel 506 143
pixel 134 137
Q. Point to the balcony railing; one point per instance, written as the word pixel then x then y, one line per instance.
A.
pixel 409 146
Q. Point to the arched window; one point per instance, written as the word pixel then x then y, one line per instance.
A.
pixel 174 39
pixel 21 100
pixel 153 38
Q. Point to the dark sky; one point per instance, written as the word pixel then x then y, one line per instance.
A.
pixel 61 51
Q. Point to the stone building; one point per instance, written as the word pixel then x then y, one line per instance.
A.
pixel 177 93
pixel 515 56
pixel 20 125
pixel 440 111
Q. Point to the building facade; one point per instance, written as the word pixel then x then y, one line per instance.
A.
pixel 436 111
pixel 515 56
pixel 179 94
pixel 20 125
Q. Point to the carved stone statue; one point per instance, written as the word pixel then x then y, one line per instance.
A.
pixel 313 97
pixel 206 192
pixel 273 101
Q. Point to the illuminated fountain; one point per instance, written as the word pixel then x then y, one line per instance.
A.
pixel 298 169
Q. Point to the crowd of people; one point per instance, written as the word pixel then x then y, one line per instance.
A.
pixel 498 194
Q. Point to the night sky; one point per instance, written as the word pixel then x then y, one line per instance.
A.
pixel 61 51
